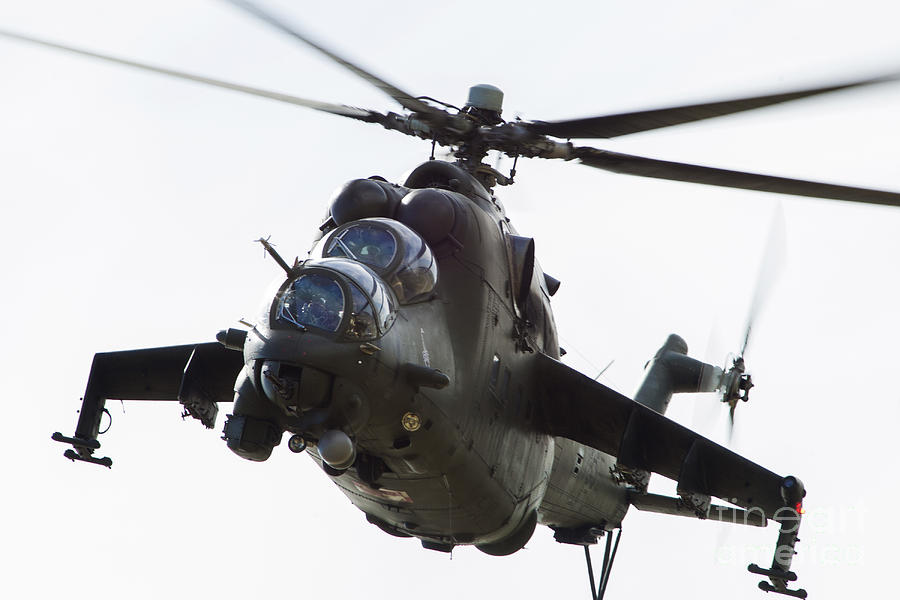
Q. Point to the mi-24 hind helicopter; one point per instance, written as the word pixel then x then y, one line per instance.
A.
pixel 415 355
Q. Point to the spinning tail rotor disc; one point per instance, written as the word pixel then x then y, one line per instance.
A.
pixel 736 383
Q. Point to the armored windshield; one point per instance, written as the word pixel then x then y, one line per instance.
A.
pixel 368 243
pixel 313 300
pixel 336 295
pixel 392 250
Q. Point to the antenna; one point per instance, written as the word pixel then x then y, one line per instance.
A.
pixel 274 254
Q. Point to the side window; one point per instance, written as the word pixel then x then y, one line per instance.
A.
pixel 495 371
pixel 499 380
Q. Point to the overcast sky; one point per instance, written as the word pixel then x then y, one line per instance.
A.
pixel 131 202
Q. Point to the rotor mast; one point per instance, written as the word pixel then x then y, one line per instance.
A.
pixel 484 107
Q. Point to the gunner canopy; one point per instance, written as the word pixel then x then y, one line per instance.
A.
pixel 336 296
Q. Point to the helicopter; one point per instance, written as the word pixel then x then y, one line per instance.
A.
pixel 439 279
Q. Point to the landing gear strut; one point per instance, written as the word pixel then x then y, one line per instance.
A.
pixel 609 555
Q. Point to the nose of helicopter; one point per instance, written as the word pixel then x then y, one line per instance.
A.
pixel 299 371
pixel 302 382
pixel 321 325
pixel 311 360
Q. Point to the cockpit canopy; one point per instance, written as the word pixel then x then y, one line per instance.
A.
pixel 336 295
pixel 391 249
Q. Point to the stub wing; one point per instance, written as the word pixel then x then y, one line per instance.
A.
pixel 581 409
pixel 196 375
pixel 576 407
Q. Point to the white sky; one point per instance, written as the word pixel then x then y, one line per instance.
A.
pixel 131 202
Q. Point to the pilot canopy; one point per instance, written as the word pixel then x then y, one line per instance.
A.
pixel 391 249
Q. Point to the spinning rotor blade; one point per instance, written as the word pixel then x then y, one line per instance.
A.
pixel 731 408
pixel 677 171
pixel 609 126
pixel 770 268
pixel 335 109
pixel 406 100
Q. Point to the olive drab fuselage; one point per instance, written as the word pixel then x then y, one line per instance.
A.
pixel 458 462
pixel 415 354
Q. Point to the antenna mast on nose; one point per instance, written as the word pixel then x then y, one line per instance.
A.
pixel 274 254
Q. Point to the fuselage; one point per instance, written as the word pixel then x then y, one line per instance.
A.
pixel 470 467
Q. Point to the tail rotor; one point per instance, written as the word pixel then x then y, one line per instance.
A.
pixel 736 383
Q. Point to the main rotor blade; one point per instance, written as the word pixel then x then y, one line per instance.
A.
pixel 335 109
pixel 633 122
pixel 405 99
pixel 677 171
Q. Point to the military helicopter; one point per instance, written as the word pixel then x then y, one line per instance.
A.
pixel 524 351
